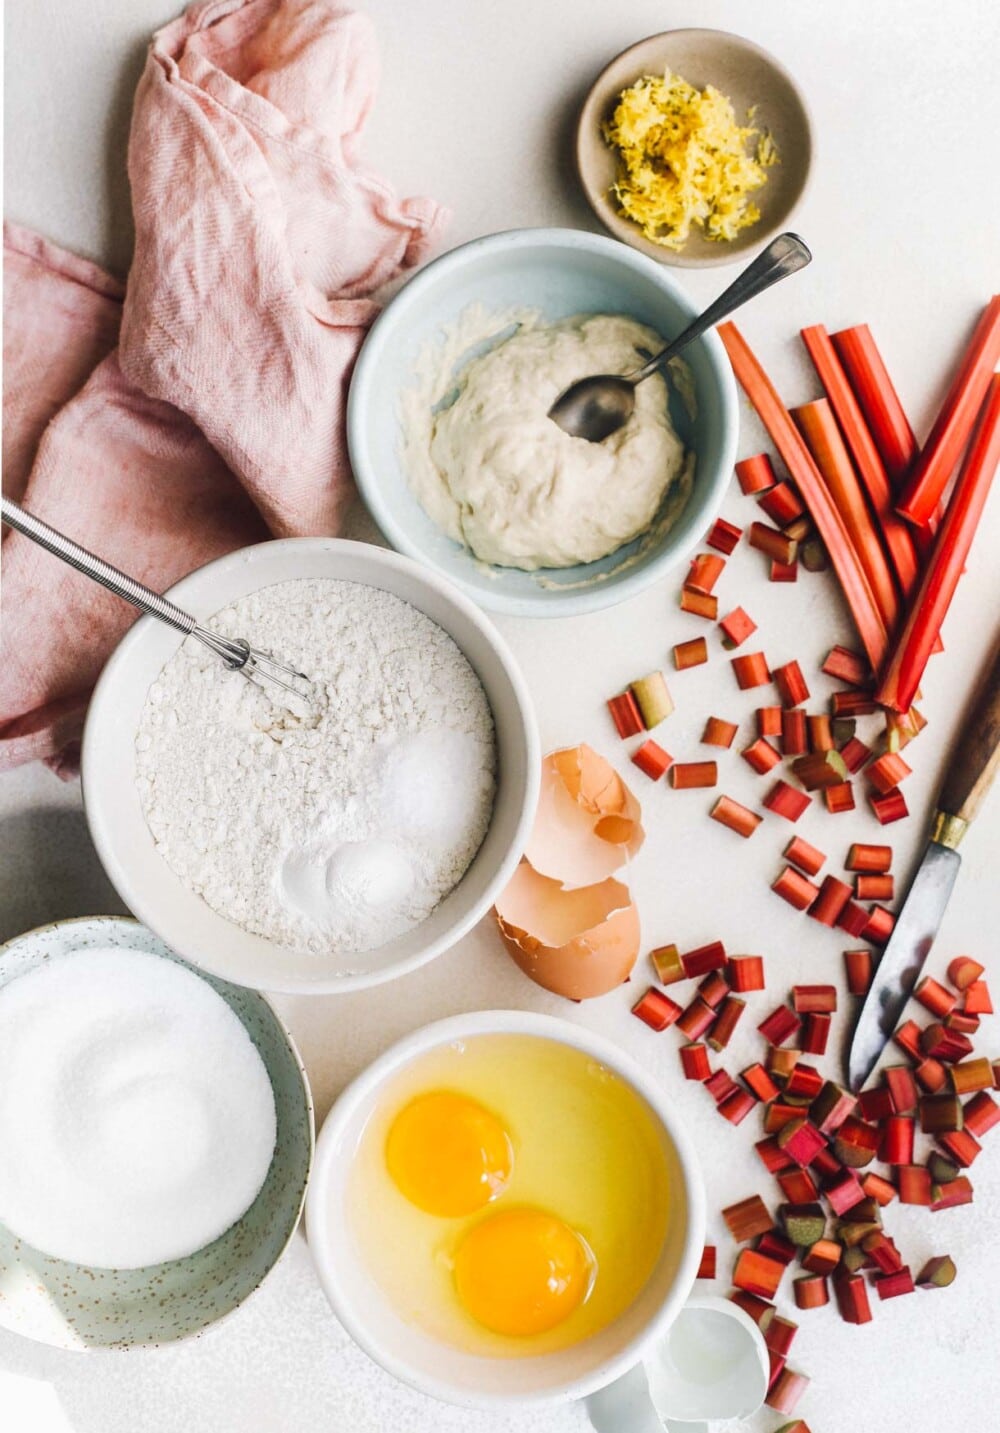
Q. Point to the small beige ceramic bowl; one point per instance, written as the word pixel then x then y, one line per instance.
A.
pixel 750 77
pixel 74 1306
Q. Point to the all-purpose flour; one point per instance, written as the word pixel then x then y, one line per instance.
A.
pixel 337 832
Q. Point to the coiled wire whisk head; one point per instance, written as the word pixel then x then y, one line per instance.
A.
pixel 258 667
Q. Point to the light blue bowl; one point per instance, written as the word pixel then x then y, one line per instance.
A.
pixel 561 272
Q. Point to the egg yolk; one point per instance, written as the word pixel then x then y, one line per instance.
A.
pixel 522 1271
pixel 448 1154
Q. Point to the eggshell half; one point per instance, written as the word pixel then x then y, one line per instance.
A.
pixel 587 822
pixel 577 942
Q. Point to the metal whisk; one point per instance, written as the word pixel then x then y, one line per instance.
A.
pixel 258 667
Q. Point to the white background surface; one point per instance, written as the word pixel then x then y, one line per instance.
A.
pixel 477 108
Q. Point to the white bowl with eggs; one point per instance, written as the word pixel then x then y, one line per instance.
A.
pixel 561 273
pixel 170 906
pixel 339 1208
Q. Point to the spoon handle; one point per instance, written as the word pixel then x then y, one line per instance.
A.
pixel 783 256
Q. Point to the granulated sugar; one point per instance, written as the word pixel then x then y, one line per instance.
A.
pixel 338 832
pixel 137 1120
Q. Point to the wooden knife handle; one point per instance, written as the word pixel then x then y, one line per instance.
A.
pixel 975 757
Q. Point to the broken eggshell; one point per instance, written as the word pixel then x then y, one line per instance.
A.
pixel 587 822
pixel 577 942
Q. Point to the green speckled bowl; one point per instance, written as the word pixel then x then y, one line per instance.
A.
pixel 77 1307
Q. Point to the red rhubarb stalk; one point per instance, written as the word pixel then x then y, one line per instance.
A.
pixel 878 400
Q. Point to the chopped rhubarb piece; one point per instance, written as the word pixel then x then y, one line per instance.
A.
pixel 806 999
pixel 833 897
pixel 908 1037
pixel 931 1075
pixel 656 1009
pixel 788 803
pixel 783 572
pixel 695 1063
pixel 760 1082
pixel 887 772
pixel 876 1104
pixel 981 1114
pixel 963 971
pixel 902 1087
pixel 781 504
pixel 856 1143
pixel 724 536
pixel 792 886
pixel 699 604
pixel 757 1274
pixel 958 1020
pixel 696 1020
pixel 761 756
pixel 831 1107
pixel 820 732
pixel 844 1191
pixel 951 1194
pixel 690 654
pixel 806 858
pixel 852 704
pixel 858 970
pixel 747 1219
pixel 653 698
pixel 852 1299
pixel 874 888
pixel 751 670
pixel 939 456
pixel 904 668
pixel 877 1188
pixel 853 919
pixel 651 759
pixel 686 775
pixel 737 1106
pixel 755 475
pixel 819 769
pixel 704 572
pixel 786 1390
pixel 794 732
pixel 720 1084
pixel 714 989
pixel 855 754
pixel 977 999
pixel 937 1273
pixel 839 798
pixel 890 1286
pixel 882 1252
pixel 755 1308
pixel 780 1335
pixel 944 1044
pixel 773 543
pixel 823 1257
pixel 780 1025
pixel 737 817
pixel 847 666
pixel 897 1141
pixel 668 965
pixel 798 1185
pixel 772 1156
pixel 779 1114
pixel 728 1018
pixel 736 628
pixel 843 729
pixel 746 972
pixel 914 1184
pixel 962 1145
pixel 870 859
pixel 890 807
pixel 939 1114
pixel 769 721
pixel 706 1269
pixel 971 1075
pixel 699 962
pixel 801 1139
pixel 719 733
pixel 804 1083
pixel 791 684
pixel 902 727
pixel 782 1063
pixel 811 1292
pixel 815 1034
pixel 934 997
pixel 625 714
pixel 879 926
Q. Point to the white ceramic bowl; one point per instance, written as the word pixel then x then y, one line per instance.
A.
pixel 561 272
pixel 180 917
pixel 446 1372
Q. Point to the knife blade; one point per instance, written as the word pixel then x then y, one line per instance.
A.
pixel 975 760
pixel 902 960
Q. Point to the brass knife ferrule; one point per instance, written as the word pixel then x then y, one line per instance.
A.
pixel 948 830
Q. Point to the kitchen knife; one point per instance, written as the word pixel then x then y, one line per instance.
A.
pixel 973 765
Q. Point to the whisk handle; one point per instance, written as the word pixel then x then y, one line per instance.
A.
pixel 71 552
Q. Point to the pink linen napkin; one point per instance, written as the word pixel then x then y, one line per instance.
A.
pixel 217 420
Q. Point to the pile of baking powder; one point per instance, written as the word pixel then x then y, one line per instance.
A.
pixel 336 832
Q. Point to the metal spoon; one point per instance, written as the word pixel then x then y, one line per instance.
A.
pixel 593 408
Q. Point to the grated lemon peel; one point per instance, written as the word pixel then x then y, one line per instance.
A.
pixel 685 161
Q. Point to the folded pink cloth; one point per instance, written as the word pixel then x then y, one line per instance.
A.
pixel 218 418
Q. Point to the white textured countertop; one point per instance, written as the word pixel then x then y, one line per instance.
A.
pixel 477 109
